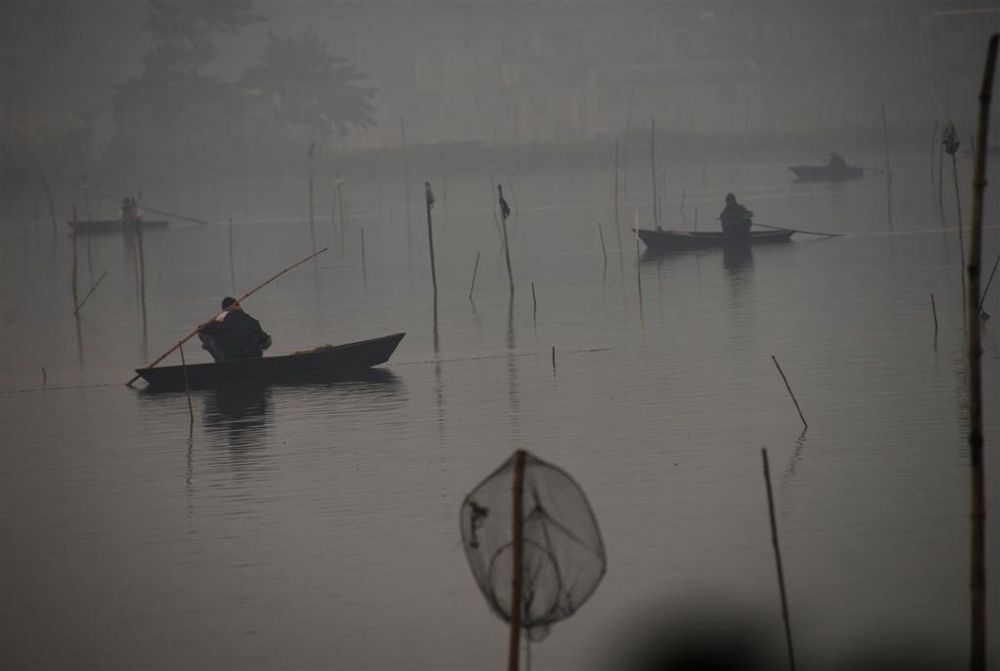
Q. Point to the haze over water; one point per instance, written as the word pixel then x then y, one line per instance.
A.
pixel 317 526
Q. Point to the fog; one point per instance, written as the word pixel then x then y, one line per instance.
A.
pixel 307 525
pixel 81 93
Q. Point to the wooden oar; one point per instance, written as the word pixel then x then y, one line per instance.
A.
pixel 176 216
pixel 194 220
pixel 795 230
pixel 798 230
pixel 238 300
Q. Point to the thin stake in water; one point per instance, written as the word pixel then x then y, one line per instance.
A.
pixel 76 300
pixel 982 313
pixel 888 168
pixel 790 392
pixel 232 270
pixel 977 553
pixel 604 249
pixel 777 561
pixel 638 269
pixel 92 289
pixel 52 207
pixel 187 390
pixel 933 147
pixel 934 312
pixel 364 271
pixel 429 201
pixel 517 556
pixel 475 271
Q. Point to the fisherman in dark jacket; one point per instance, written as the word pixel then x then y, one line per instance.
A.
pixel 735 218
pixel 233 334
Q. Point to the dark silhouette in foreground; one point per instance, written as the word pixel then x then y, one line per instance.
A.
pixel 736 219
pixel 233 334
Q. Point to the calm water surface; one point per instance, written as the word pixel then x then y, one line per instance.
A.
pixel 317 526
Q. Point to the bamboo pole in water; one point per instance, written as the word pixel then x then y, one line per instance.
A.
pixel 534 302
pixel 506 252
pixel 888 167
pixel 340 214
pixel 429 202
pixel 92 289
pixel 475 271
pixel 406 186
pixel 790 392
pixel 232 268
pixel 989 282
pixel 934 314
pixel 312 225
pixel 933 146
pixel 76 299
pixel 517 557
pixel 52 207
pixel 777 561
pixel 142 274
pixel 604 249
pixel 238 300
pixel 618 233
pixel 187 389
pixel 638 268
pixel 652 161
pixel 977 580
pixel 941 182
pixel 961 235
pixel 364 271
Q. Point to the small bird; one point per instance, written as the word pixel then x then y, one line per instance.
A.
pixel 428 195
pixel 504 207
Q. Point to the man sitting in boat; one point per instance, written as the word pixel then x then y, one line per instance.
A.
pixel 130 211
pixel 735 218
pixel 233 334
pixel 836 161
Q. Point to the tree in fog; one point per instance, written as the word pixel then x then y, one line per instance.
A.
pixel 172 114
pixel 310 87
pixel 182 34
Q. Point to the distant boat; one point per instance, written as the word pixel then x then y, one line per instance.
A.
pixel 668 241
pixel 826 173
pixel 88 226
pixel 321 364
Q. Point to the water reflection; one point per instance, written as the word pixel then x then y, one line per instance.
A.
pixel 240 411
pixel 737 258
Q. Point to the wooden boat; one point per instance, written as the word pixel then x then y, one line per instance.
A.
pixel 826 173
pixel 668 241
pixel 88 226
pixel 323 363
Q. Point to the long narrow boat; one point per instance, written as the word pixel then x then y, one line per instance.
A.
pixel 323 363
pixel 87 226
pixel 826 173
pixel 668 241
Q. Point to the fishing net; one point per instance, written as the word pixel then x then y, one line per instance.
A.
pixel 563 557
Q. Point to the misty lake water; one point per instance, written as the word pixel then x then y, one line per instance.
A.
pixel 318 526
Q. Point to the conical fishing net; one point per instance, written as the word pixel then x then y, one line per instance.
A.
pixel 563 557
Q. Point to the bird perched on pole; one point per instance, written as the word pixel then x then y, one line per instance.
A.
pixel 428 195
pixel 504 207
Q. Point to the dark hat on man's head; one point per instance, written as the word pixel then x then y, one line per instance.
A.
pixel 227 301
